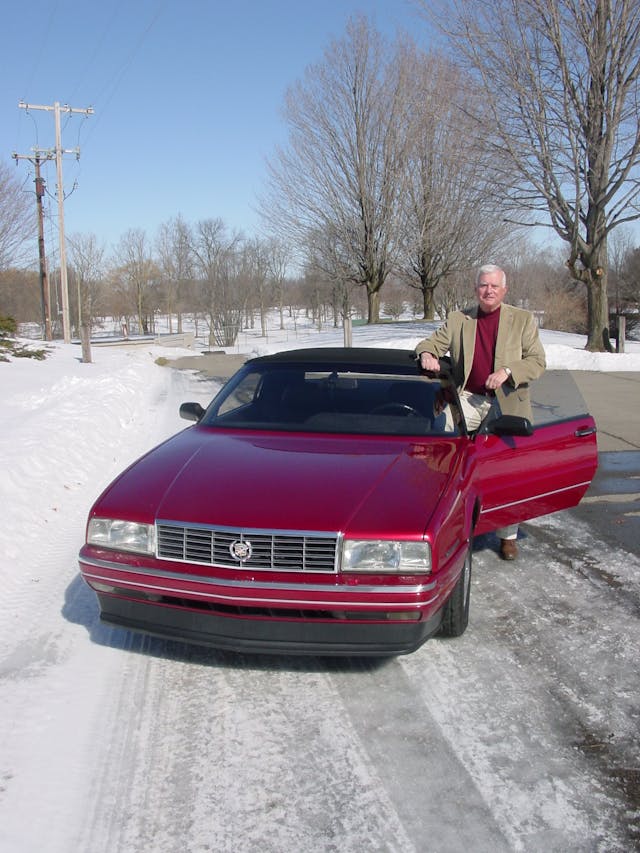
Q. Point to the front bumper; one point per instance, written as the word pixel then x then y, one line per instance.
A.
pixel 268 635
pixel 262 615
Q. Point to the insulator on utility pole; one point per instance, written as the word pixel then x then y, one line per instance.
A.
pixel 58 152
pixel 45 295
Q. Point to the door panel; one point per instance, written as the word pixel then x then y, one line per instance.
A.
pixel 522 477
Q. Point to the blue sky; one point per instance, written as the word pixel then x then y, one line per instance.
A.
pixel 187 98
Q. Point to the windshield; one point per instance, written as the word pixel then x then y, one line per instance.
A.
pixel 315 399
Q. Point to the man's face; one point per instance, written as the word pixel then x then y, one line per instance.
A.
pixel 490 291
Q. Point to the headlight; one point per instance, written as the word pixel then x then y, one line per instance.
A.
pixel 380 556
pixel 121 535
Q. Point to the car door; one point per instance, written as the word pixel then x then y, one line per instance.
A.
pixel 521 477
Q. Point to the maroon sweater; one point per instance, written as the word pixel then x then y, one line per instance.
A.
pixel 484 352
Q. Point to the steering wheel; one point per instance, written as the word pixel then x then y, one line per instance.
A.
pixel 396 409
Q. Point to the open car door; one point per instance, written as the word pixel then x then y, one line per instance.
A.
pixel 518 477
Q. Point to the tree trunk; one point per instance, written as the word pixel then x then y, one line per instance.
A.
pixel 373 305
pixel 598 311
pixel 427 303
pixel 594 275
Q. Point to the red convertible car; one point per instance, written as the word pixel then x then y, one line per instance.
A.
pixel 319 506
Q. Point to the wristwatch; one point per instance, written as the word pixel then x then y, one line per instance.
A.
pixel 507 370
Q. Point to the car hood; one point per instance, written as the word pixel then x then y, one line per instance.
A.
pixel 360 485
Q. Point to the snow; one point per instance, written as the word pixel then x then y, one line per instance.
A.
pixel 116 742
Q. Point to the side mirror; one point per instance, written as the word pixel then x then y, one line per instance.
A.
pixel 191 411
pixel 509 425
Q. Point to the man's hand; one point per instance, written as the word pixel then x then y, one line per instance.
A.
pixel 429 362
pixel 495 380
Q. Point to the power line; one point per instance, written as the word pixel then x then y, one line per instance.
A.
pixel 45 294
pixel 58 153
pixel 110 88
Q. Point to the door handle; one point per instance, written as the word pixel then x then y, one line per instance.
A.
pixel 584 431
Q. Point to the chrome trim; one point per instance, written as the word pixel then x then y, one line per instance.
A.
pixel 293 604
pixel 249 530
pixel 415 589
pixel 585 431
pixel 203 544
pixel 534 497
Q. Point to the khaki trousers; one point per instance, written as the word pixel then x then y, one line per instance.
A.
pixel 475 408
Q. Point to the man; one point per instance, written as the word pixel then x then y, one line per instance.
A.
pixel 495 352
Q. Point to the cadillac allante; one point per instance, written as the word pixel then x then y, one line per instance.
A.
pixel 319 506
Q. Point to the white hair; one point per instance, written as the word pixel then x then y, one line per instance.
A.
pixel 491 269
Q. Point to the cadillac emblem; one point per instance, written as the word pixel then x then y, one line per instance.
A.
pixel 240 550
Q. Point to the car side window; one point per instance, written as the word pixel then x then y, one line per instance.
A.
pixel 242 395
pixel 555 397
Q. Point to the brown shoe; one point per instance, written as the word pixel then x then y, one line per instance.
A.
pixel 508 549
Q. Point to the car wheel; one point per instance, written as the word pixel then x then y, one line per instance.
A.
pixel 455 613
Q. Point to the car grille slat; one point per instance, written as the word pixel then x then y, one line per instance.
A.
pixel 281 552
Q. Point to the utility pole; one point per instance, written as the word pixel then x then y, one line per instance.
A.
pixel 44 279
pixel 58 152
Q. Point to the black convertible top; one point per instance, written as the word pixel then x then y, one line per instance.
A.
pixel 341 356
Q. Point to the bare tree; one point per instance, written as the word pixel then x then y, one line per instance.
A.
pixel 315 295
pixel 339 176
pixel 620 248
pixel 630 279
pixel 135 273
pixel 20 296
pixel 560 78
pixel 540 281
pixel 17 219
pixel 256 268
pixel 454 292
pixel 629 290
pixel 221 298
pixel 325 255
pixel 278 255
pixel 87 262
pixel 175 260
pixel 451 221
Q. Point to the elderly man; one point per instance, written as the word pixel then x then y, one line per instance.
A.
pixel 495 352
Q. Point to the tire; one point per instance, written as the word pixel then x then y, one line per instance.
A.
pixel 455 613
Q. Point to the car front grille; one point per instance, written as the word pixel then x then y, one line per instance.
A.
pixel 256 550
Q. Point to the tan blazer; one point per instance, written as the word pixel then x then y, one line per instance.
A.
pixel 518 347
